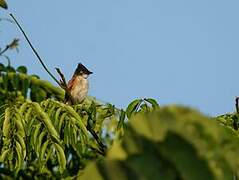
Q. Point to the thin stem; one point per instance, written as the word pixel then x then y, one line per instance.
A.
pixel 98 151
pixel 3 51
pixel 237 104
pixel 63 79
pixel 35 52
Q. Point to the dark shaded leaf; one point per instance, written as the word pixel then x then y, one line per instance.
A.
pixel 25 87
pixel 3 4
pixel 2 67
pixel 183 155
pixel 22 69
pixel 10 69
pixel 15 82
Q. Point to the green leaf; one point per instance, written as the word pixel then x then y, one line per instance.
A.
pixel 25 87
pixel 22 69
pixel 144 108
pixel 20 159
pixel 181 149
pixel 74 114
pixel 39 142
pixel 2 67
pixel 15 82
pixel 46 120
pixel 7 123
pixel 159 170
pixel 22 143
pixel 57 116
pixel 43 150
pixel 132 107
pixel 153 102
pixel 61 157
pixel 36 134
pixel 4 154
pixel 92 113
pixel 121 119
pixel 10 69
pixel 3 4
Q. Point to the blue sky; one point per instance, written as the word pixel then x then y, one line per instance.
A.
pixel 178 52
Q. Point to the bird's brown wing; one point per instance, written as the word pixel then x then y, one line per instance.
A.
pixel 71 83
pixel 70 86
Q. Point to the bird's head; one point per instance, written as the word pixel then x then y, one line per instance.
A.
pixel 81 70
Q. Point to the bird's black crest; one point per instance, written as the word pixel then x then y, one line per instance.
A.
pixel 82 69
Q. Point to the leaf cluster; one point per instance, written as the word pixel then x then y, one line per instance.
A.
pixel 41 137
pixel 51 138
pixel 16 85
pixel 171 143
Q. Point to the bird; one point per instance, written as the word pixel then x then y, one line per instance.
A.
pixel 78 85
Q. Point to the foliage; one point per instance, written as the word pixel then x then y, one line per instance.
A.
pixel 42 137
pixel 16 85
pixel 141 105
pixel 49 135
pixel 171 143
pixel 230 121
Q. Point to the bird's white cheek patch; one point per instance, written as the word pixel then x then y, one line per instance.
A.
pixel 85 76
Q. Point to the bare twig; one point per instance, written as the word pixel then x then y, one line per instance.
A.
pixel 63 79
pixel 237 104
pixel 33 49
pixel 4 50
pixel 68 95
pixel 98 151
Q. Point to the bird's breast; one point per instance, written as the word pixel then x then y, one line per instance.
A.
pixel 80 89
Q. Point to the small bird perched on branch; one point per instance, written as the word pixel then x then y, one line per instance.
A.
pixel 78 85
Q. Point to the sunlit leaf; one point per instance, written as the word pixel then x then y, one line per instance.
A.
pixel 153 102
pixel 132 107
